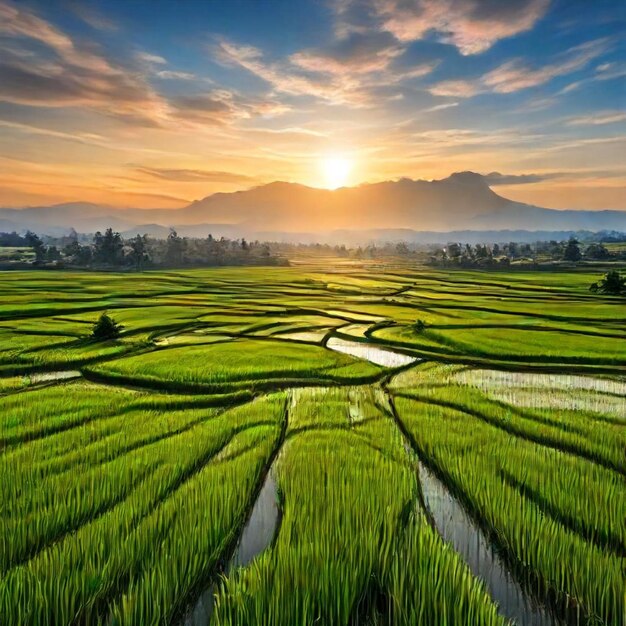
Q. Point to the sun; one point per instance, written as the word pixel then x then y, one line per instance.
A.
pixel 336 171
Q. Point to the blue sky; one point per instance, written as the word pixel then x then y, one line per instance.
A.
pixel 157 103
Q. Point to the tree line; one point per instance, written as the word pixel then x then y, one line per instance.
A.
pixel 502 255
pixel 109 250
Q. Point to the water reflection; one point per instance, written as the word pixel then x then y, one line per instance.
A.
pixel 44 377
pixel 256 536
pixel 457 528
pixel 373 354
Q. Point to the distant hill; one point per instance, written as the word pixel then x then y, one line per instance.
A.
pixel 463 201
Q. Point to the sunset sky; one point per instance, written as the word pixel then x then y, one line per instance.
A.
pixel 157 103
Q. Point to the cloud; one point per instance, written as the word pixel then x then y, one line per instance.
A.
pixel 194 176
pixel 285 79
pixel 48 84
pixel 443 143
pixel 63 74
pixel 150 59
pixel 355 71
pixel 359 53
pixel 494 179
pixel 91 16
pixel 171 74
pixel 515 75
pixel 294 131
pixel 440 107
pixel 222 107
pixel 608 71
pixel 455 88
pixel 473 26
pixel 598 118
pixel 74 77
pixel 153 64
pixel 18 22
pixel 604 71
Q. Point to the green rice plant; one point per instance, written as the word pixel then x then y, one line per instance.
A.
pixel 427 583
pixel 119 505
pixel 39 412
pixel 599 440
pixel 83 572
pixel 236 364
pixel 137 418
pixel 11 384
pixel 338 553
pixel 471 455
pixel 74 488
pixel 201 524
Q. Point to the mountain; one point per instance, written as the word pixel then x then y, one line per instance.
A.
pixel 416 204
pixel 57 219
pixel 280 210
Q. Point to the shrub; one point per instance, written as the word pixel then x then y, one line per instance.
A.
pixel 106 328
pixel 612 284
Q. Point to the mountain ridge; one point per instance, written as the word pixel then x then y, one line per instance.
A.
pixel 461 201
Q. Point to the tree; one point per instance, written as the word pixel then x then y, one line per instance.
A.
pixel 53 254
pixel 106 328
pixel 138 255
pixel 597 252
pixel 572 251
pixel 174 254
pixel 420 326
pixel 84 255
pixel 72 249
pixel 612 284
pixel 402 249
pixel 37 245
pixel 108 247
pixel 454 251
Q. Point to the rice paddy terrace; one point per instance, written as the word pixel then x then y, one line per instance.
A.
pixel 288 446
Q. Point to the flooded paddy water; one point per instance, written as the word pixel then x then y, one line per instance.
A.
pixel 457 528
pixel 371 353
pixel 45 377
pixel 256 536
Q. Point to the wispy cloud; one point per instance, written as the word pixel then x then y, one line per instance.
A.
pixel 604 71
pixel 174 75
pixel 150 59
pixel 221 106
pixel 91 16
pixel 516 74
pixel 440 107
pixel 597 119
pixel 360 53
pixel 75 77
pixel 493 179
pixel 19 22
pixel 350 73
pixel 71 75
pixel 195 176
pixel 473 26
pixel 455 88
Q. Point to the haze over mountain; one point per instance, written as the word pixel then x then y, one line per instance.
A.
pixel 462 201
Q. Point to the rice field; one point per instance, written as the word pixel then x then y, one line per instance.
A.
pixel 375 445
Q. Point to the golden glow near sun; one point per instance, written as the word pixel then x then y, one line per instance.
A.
pixel 336 171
